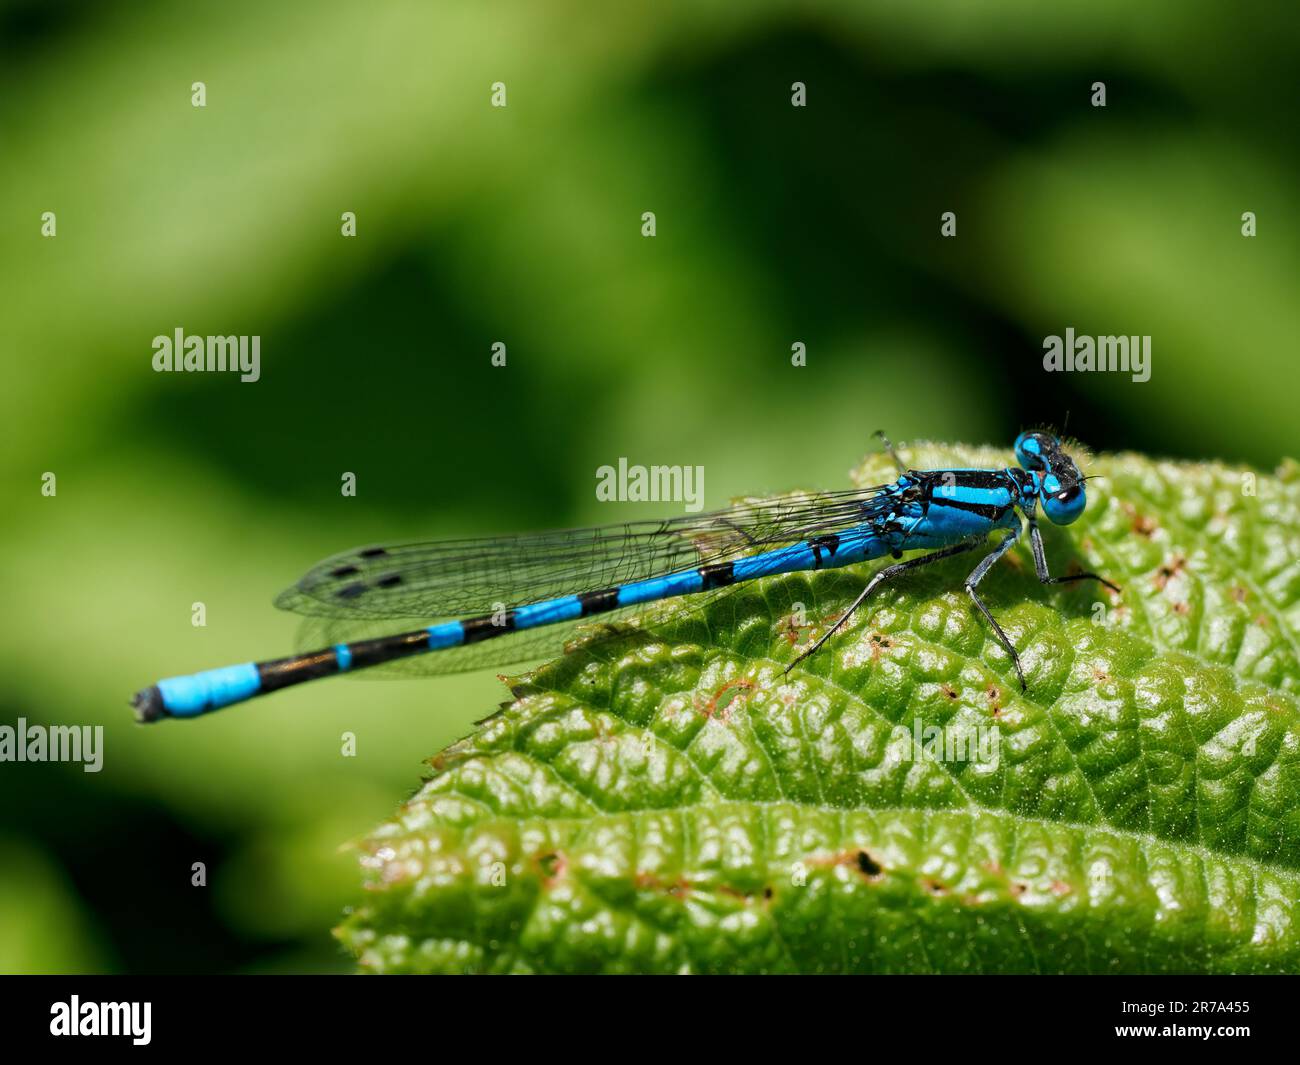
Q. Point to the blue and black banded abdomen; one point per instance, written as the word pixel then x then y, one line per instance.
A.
pixel 200 693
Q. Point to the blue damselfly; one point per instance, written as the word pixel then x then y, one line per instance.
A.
pixel 525 592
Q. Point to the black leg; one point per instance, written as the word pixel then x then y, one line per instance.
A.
pixel 889 450
pixel 1040 563
pixel 884 575
pixel 977 575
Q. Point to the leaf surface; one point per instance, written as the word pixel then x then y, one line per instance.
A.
pixel 662 799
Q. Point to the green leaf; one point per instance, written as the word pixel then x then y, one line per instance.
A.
pixel 666 801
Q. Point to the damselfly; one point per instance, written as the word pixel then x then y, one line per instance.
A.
pixel 524 592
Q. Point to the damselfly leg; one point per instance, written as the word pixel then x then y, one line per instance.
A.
pixel 1040 563
pixel 885 574
pixel 972 582
pixel 889 449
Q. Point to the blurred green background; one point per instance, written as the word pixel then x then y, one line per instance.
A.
pixel 475 224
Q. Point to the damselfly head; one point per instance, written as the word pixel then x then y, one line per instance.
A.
pixel 1060 484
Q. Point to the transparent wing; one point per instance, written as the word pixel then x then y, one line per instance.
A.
pixel 458 578
pixel 377 591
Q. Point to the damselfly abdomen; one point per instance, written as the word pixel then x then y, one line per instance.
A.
pixel 522 593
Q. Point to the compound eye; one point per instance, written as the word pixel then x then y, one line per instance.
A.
pixel 1064 505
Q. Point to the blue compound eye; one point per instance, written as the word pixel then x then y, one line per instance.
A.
pixel 1062 507
pixel 1033 448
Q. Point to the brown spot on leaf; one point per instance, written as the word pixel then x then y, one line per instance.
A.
pixel 934 887
pixel 1239 593
pixel 720 702
pixel 552 864
pixel 793 632
pixel 1169 571
pixel 1144 525
pixel 868 866
pixel 859 858
pixel 994 695
pixel 1061 888
pixel 790 630
pixel 679 888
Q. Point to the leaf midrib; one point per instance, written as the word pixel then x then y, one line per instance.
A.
pixel 971 809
